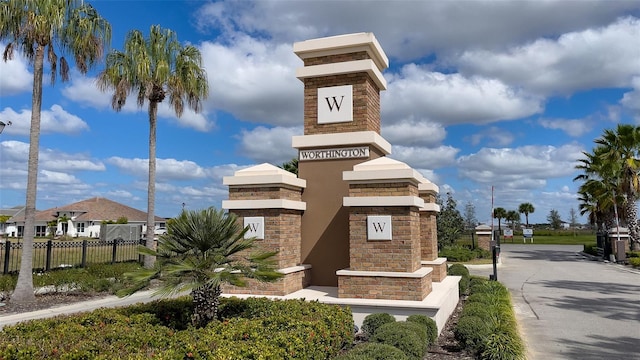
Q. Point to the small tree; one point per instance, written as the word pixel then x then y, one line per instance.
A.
pixel 573 218
pixel 470 220
pixel 554 219
pixel 499 213
pixel 449 222
pixel 513 217
pixel 201 251
pixel 526 209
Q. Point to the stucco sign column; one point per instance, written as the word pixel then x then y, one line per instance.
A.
pixel 342 78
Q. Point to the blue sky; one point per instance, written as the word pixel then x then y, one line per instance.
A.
pixel 480 94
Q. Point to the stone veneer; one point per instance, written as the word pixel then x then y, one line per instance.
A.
pixel 483 234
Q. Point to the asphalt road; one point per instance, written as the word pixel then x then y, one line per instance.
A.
pixel 569 306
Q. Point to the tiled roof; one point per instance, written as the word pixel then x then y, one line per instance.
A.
pixel 94 209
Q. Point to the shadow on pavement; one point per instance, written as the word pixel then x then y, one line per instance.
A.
pixel 548 255
pixel 614 308
pixel 602 347
pixel 591 286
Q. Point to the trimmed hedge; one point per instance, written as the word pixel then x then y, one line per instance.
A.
pixel 291 329
pixel 488 325
pixel 373 351
pixel 429 324
pixel 372 322
pixel 460 270
pixel 409 337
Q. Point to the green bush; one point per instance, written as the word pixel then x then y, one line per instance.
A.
pixel 372 322
pixel 293 330
pixel 404 336
pixel 590 249
pixel 373 351
pixel 635 262
pixel 501 346
pixel 429 324
pixel 460 270
pixel 633 254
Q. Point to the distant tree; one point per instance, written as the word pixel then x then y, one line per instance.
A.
pixel 513 217
pixel 51 227
pixel 470 220
pixel 291 166
pixel 554 219
pixel 122 220
pixel 499 213
pixel 526 209
pixel 449 222
pixel 573 218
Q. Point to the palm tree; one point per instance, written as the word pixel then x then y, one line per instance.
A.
pixel 499 213
pixel 620 148
pixel 201 251
pixel 526 209
pixel 290 166
pixel 34 28
pixel 154 68
pixel 513 217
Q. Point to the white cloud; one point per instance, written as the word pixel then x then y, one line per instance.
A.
pixel 55 177
pixel 410 132
pixel 269 145
pixel 593 58
pixel 166 169
pixel 409 30
pixel 425 158
pixel 573 127
pixel 493 135
pixel 453 99
pixel 15 155
pixel 526 167
pixel 54 120
pixel 15 78
pixel 631 99
pixel 254 80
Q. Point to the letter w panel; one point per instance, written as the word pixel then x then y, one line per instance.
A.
pixel 379 227
pixel 335 104
pixel 255 227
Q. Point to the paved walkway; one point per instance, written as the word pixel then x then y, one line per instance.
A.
pixel 569 306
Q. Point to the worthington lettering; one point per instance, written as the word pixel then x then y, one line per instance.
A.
pixel 326 154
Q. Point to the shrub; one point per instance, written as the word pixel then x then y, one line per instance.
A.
pixel 429 324
pixel 635 261
pixel 372 322
pixel 501 346
pixel 460 270
pixel 373 351
pixel 590 249
pixel 404 336
pixel 472 331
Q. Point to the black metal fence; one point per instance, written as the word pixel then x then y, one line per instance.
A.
pixel 62 254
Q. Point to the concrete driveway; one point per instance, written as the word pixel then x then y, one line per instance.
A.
pixel 569 306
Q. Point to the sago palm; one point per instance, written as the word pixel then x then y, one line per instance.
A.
pixel 201 251
pixel 41 30
pixel 154 68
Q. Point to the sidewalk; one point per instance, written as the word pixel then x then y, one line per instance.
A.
pixel 109 301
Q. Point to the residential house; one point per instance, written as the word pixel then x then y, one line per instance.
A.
pixel 82 218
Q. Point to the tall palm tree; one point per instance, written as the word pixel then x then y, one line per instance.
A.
pixel 36 27
pixel 155 68
pixel 620 148
pixel 526 209
pixel 201 251
pixel 499 213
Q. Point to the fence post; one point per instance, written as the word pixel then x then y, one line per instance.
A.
pixel 143 242
pixel 7 257
pixel 113 252
pixel 84 254
pixel 48 259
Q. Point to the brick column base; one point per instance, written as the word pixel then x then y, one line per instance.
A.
pixel 438 267
pixel 384 285
pixel 295 278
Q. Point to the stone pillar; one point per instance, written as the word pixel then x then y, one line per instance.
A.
pixel 483 235
pixel 384 233
pixel 429 232
pixel 268 200
pixel 342 78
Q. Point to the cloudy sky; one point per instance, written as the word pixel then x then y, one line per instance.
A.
pixel 480 93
